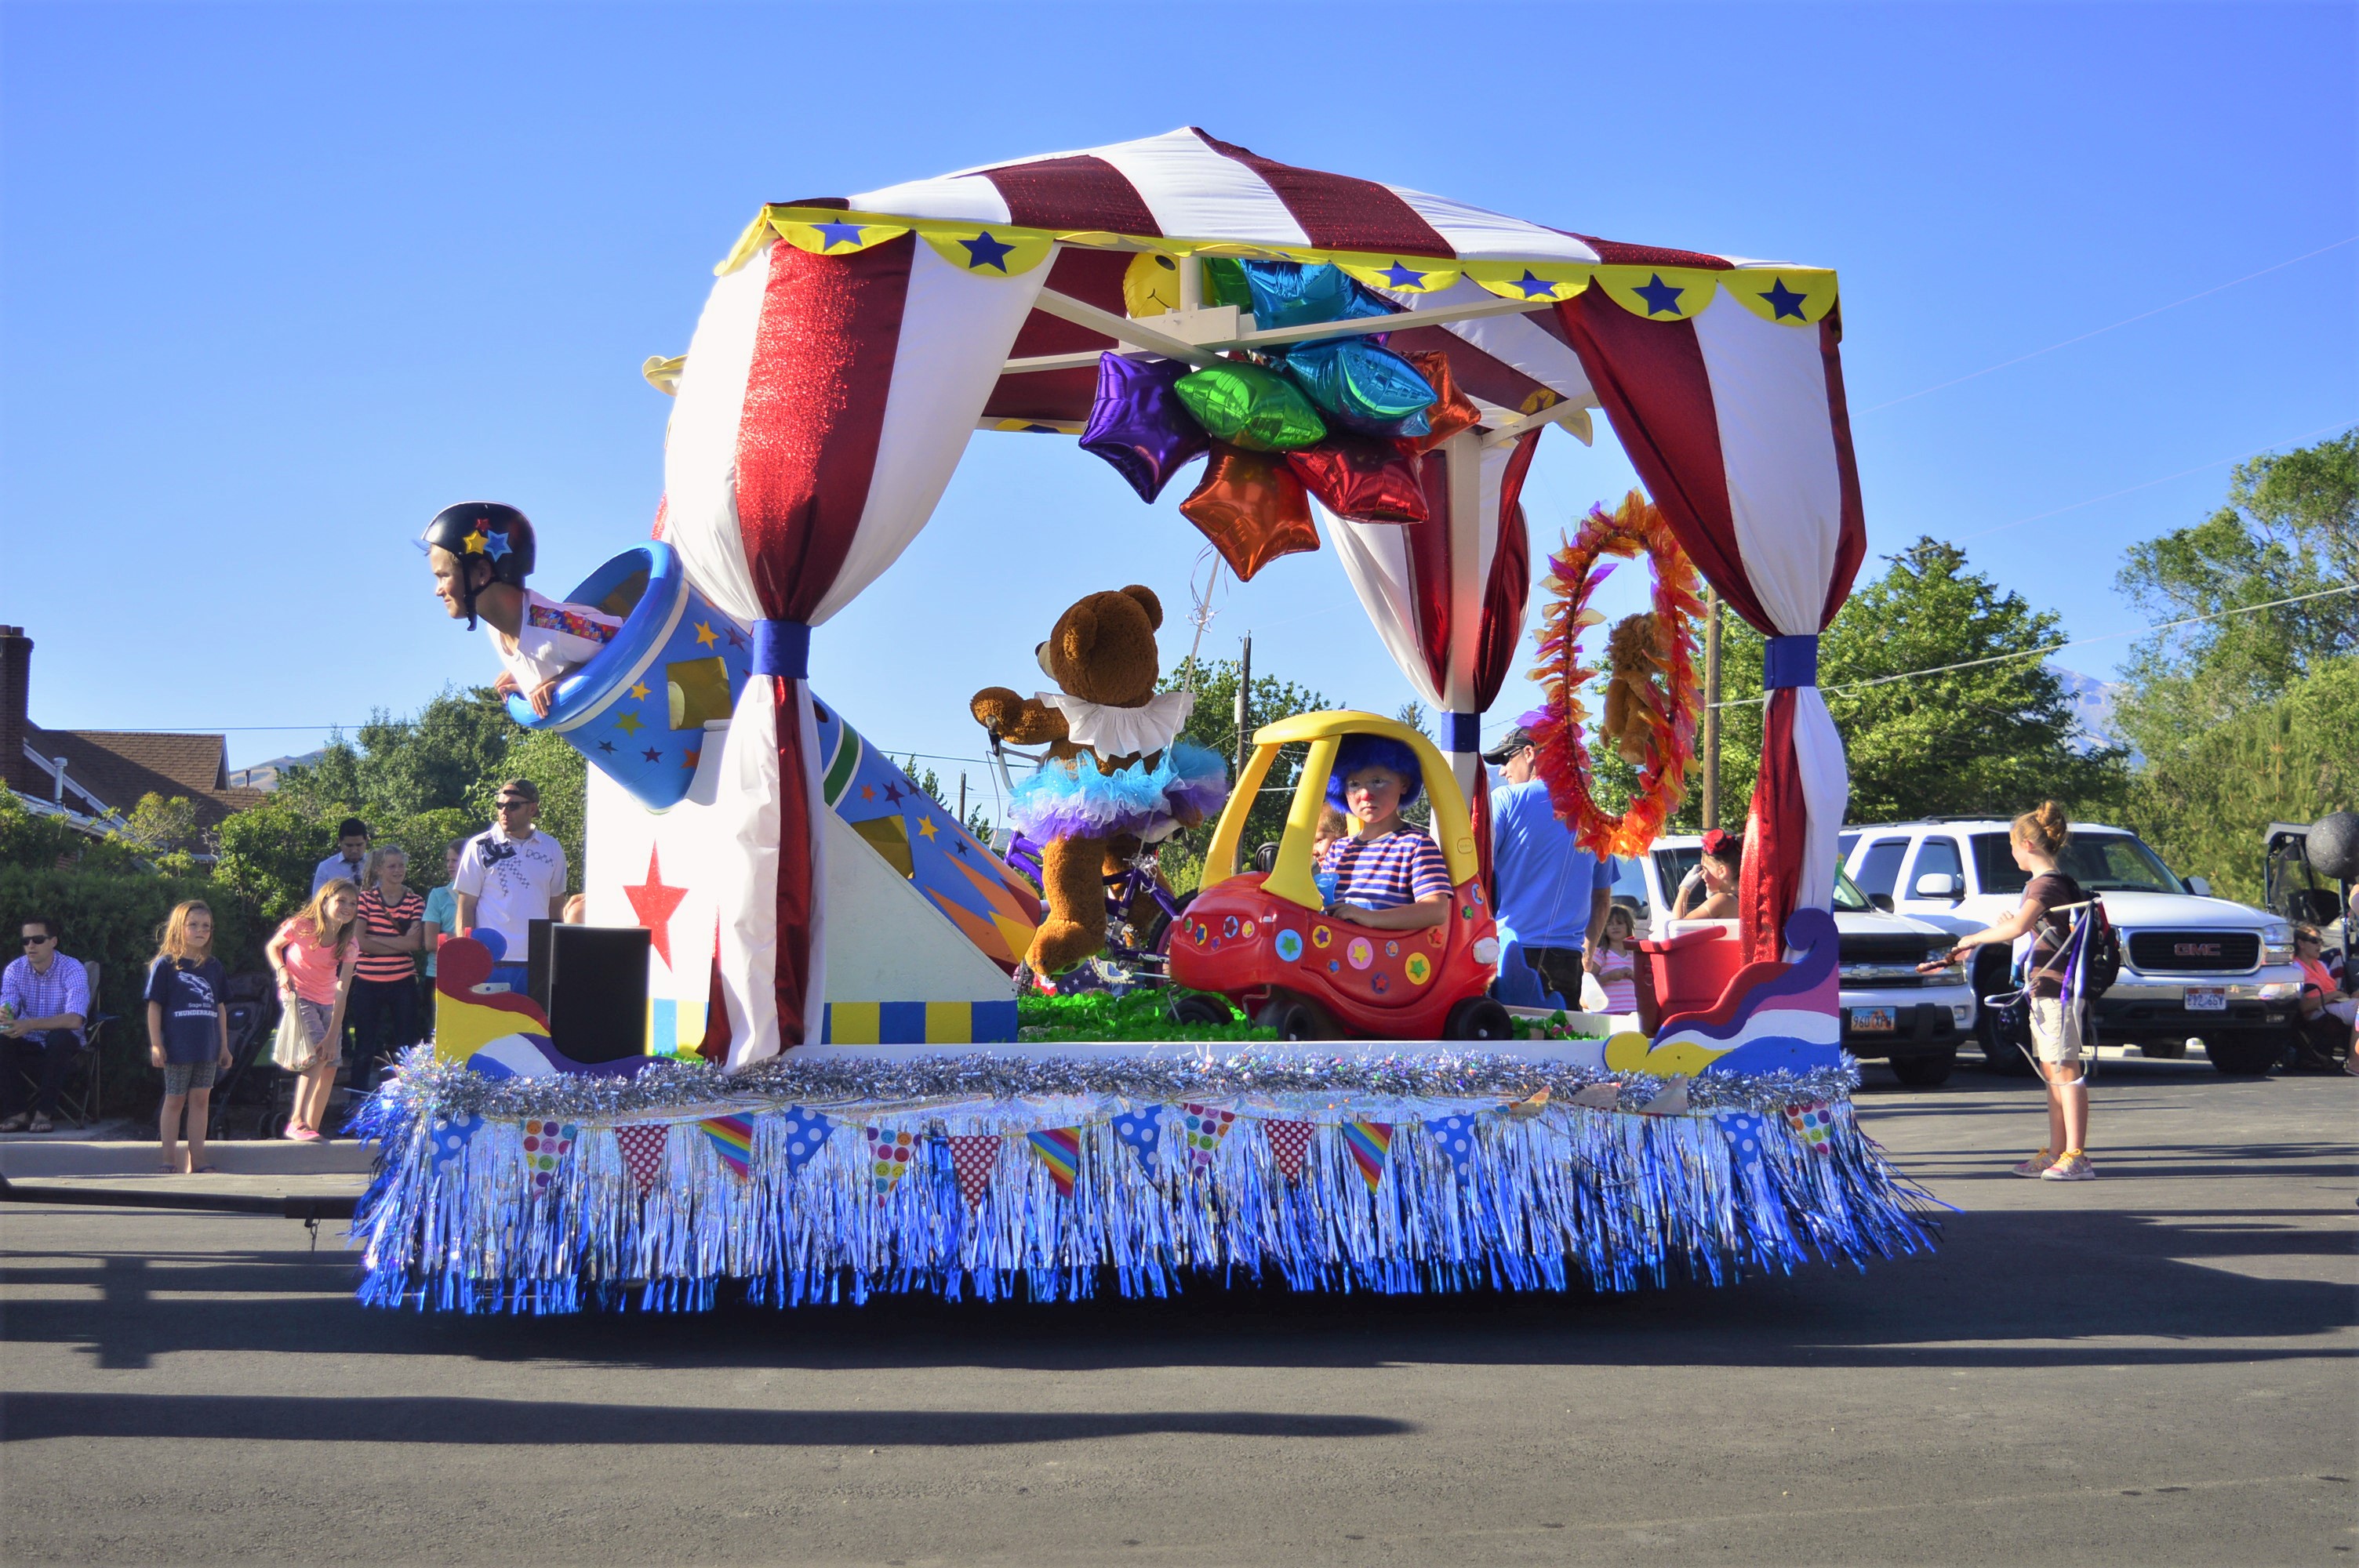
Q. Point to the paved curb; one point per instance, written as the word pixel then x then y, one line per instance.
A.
pixel 29 1156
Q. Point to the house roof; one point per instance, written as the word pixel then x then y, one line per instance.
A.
pixel 117 767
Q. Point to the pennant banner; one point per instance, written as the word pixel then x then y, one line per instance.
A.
pixel 643 1151
pixel 1371 1143
pixel 1289 1143
pixel 972 1154
pixel 731 1137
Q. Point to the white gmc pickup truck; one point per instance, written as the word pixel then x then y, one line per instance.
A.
pixel 2193 966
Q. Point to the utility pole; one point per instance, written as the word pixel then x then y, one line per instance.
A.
pixel 1244 707
pixel 1711 708
pixel 962 799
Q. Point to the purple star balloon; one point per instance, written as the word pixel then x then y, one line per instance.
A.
pixel 1139 425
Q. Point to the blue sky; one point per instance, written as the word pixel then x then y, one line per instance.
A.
pixel 276 283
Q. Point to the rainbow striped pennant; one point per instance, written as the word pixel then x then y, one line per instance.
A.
pixel 1059 1149
pixel 733 1139
pixel 1371 1143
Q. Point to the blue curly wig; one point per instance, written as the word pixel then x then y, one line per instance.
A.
pixel 1358 751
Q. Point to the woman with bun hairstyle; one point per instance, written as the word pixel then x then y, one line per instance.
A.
pixel 2058 1034
pixel 1708 891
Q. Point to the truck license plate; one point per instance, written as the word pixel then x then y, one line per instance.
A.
pixel 1878 1020
pixel 2206 998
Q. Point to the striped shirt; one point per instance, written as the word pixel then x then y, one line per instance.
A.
pixel 29 993
pixel 385 925
pixel 1384 873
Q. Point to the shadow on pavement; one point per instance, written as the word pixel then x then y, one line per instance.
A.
pixel 27 1417
pixel 2053 1287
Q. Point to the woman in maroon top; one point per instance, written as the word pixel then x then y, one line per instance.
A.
pixel 385 984
pixel 2057 1031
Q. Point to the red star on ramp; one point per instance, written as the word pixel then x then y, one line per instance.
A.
pixel 653 902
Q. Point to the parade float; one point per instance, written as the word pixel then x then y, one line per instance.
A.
pixel 827 1096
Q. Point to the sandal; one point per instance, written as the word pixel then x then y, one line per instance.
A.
pixel 17 1123
pixel 206 1171
pixel 42 1124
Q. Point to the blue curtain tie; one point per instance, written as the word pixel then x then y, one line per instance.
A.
pixel 1465 732
pixel 782 648
pixel 1790 661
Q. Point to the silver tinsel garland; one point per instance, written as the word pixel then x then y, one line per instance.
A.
pixel 1403 1174
pixel 675 1087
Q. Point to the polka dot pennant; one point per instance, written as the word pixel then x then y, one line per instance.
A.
pixel 890 1151
pixel 1454 1135
pixel 643 1151
pixel 1141 1129
pixel 451 1137
pixel 1743 1131
pixel 546 1145
pixel 1289 1143
pixel 972 1155
pixel 1201 1128
pixel 803 1133
pixel 1813 1123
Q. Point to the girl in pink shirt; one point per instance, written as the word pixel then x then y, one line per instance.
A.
pixel 313 956
pixel 1614 964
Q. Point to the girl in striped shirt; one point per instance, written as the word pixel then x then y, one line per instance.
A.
pixel 1389 876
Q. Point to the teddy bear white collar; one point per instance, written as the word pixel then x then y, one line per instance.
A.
pixel 1121 732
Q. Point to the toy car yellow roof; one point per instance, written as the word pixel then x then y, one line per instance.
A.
pixel 1290 878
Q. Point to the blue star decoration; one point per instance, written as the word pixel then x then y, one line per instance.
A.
pixel 652 755
pixel 834 234
pixel 496 543
pixel 1783 300
pixel 1533 287
pixel 1402 275
pixel 1659 295
pixel 608 746
pixel 982 251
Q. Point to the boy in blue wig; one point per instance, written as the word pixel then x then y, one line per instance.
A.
pixel 1388 875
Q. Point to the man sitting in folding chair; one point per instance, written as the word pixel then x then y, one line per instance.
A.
pixel 44 999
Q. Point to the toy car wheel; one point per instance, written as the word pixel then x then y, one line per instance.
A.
pixel 1158 930
pixel 1478 1018
pixel 1296 1018
pixel 1197 1008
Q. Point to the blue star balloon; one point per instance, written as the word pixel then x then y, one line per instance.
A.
pixel 1296 293
pixel 1367 387
pixel 1139 425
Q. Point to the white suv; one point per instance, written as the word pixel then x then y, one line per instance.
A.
pixel 2191 965
pixel 1890 1010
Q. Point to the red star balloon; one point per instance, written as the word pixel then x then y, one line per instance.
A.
pixel 1251 508
pixel 1365 477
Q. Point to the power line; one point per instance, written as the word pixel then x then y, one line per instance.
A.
pixel 2058 647
pixel 2101 332
pixel 2149 484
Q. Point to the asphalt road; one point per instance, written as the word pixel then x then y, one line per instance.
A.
pixel 2155 1368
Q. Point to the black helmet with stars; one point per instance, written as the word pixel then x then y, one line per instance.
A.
pixel 486 530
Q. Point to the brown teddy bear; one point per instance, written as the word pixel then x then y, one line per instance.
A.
pixel 1635 657
pixel 1118 773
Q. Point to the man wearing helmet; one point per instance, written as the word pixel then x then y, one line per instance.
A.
pixel 481 552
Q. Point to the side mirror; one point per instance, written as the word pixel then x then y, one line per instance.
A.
pixel 1882 901
pixel 1938 884
pixel 2200 886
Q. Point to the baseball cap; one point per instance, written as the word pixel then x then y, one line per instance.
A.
pixel 1514 739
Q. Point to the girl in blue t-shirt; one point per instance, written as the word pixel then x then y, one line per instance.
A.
pixel 188 1031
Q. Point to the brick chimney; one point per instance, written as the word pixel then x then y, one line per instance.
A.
pixel 16 694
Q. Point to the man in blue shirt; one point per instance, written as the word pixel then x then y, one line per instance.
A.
pixel 1552 894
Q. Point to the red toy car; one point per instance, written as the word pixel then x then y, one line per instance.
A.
pixel 1265 941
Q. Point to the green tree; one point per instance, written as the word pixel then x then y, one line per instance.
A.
pixel 1993 738
pixel 2290 527
pixel 2206 801
pixel 1214 725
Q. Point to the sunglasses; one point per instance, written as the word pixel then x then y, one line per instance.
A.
pixel 37 941
pixel 511 804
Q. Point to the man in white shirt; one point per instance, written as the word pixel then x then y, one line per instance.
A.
pixel 510 877
pixel 351 858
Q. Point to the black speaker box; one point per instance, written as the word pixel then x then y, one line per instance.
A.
pixel 592 981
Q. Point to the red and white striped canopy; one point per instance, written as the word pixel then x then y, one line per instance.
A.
pixel 852 344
